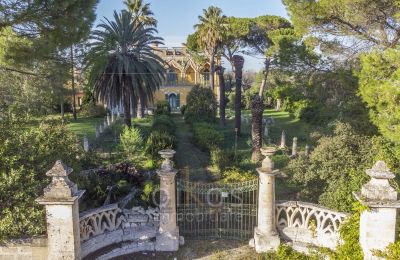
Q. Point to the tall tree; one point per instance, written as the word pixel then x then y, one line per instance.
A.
pixel 238 62
pixel 259 42
pixel 122 62
pixel 211 29
pixel 51 25
pixel 141 14
pixel 345 26
pixel 222 102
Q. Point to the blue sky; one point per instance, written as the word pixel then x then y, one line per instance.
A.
pixel 177 17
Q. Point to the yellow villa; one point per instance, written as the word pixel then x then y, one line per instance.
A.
pixel 183 72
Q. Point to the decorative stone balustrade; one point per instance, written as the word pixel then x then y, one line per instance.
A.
pixel 301 222
pixel 98 221
pixel 111 225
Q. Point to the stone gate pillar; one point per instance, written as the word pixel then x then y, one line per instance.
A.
pixel 62 214
pixel 378 225
pixel 168 235
pixel 265 234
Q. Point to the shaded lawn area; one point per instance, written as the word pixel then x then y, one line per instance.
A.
pixel 85 126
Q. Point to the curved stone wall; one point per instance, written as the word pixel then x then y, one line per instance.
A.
pixel 309 224
pixel 110 225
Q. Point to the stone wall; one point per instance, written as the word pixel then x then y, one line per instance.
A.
pixel 35 248
pixel 306 224
pixel 111 225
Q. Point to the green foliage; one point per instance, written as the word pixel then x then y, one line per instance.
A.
pixel 163 123
pixel 148 188
pixel 53 26
pixel 221 159
pixel 280 161
pixel 131 141
pixel 201 105
pixel 331 21
pixel 334 169
pixel 285 252
pixel 162 108
pixel 26 154
pixel 121 55
pixel 206 136
pixel 92 110
pixel 108 184
pixel 391 252
pixel 350 247
pixel 158 141
pixel 380 89
pixel 234 174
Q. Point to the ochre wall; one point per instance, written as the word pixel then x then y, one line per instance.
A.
pixel 182 90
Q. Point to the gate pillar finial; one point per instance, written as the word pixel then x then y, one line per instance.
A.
pixel 382 200
pixel 266 237
pixel 167 238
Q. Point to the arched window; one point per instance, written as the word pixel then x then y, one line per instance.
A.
pixel 172 77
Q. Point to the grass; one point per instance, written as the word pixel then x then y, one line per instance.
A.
pixel 85 126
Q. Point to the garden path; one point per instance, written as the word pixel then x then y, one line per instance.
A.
pixel 189 158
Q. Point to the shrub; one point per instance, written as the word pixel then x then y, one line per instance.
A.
pixel 334 169
pixel 222 159
pixel 158 141
pixel 183 109
pixel 162 108
pixel 119 177
pixel 92 110
pixel 234 174
pixel 280 161
pixel 163 123
pixel 206 136
pixel 131 141
pixel 26 154
pixel 201 105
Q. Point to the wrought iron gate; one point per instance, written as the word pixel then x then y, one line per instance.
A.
pixel 207 210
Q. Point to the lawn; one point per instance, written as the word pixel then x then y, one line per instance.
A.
pixel 85 126
pixel 282 121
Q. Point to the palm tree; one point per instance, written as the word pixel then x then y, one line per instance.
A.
pixel 211 30
pixel 142 14
pixel 123 64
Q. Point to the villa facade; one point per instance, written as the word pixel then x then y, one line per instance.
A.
pixel 183 72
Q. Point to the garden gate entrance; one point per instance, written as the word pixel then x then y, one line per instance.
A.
pixel 208 210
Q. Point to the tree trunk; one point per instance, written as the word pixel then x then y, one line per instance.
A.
pixel 257 108
pixel 62 108
pixel 73 83
pixel 222 101
pixel 127 109
pixel 212 71
pixel 238 63
pixel 140 106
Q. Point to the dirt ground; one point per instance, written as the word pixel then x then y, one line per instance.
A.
pixel 202 249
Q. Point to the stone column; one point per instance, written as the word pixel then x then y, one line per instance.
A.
pixel 265 234
pixel 86 143
pixel 307 150
pixel 378 225
pixel 168 235
pixel 294 147
pixel 62 214
pixel 283 140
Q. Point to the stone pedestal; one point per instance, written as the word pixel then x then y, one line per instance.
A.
pixel 266 237
pixel 378 225
pixel 62 214
pixel 168 235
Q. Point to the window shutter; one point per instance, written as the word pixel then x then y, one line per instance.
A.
pixel 178 100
